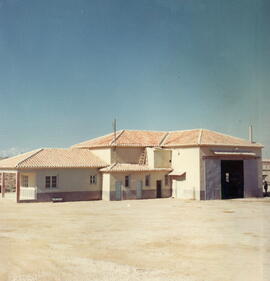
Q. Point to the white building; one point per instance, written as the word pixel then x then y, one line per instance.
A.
pixel 192 164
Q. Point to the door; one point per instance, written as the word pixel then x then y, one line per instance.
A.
pixel 159 189
pixel 118 190
pixel 139 190
pixel 232 179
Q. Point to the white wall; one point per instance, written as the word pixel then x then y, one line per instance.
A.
pixel 135 177
pixel 103 153
pixel 106 186
pixel 31 179
pixel 150 157
pixel 187 160
pixel 67 179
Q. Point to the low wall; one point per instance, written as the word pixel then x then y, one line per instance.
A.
pixel 67 196
pixel 146 194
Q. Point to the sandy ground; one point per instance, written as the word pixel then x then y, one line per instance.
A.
pixel 162 239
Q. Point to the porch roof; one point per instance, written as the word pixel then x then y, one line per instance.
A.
pixel 53 158
pixel 176 173
pixel 121 167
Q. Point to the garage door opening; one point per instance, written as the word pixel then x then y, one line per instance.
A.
pixel 232 179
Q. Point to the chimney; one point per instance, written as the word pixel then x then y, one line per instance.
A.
pixel 250 134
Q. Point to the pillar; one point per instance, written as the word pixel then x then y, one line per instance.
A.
pixel 3 185
pixel 18 187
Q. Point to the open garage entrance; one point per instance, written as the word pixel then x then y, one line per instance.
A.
pixel 232 179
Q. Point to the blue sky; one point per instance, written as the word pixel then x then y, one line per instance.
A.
pixel 68 67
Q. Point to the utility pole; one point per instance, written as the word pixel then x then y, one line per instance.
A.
pixel 114 130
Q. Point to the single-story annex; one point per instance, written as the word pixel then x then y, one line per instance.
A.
pixel 133 164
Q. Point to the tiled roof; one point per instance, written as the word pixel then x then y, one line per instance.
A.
pixel 119 167
pixel 178 138
pixel 54 158
pixel 126 138
pixel 139 138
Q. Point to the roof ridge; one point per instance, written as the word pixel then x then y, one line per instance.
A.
pixel 27 158
pixel 151 131
pixel 200 136
pixel 95 138
pixel 113 165
pixel 231 136
pixel 164 138
pixel 114 140
pixel 176 131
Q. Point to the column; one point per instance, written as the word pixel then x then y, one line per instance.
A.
pixel 18 187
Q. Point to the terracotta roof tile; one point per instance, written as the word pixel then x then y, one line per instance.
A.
pixel 212 137
pixel 126 138
pixel 54 158
pixel 166 139
pixel 119 167
pixel 189 137
pixel 102 141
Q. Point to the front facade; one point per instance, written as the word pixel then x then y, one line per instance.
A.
pixel 194 164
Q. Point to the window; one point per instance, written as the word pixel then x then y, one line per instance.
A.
pixel 25 181
pixel 227 177
pixel 147 180
pixel 166 180
pixel 51 181
pixel 48 182
pixel 126 181
pixel 93 179
pixel 54 181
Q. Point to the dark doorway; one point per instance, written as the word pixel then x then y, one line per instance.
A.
pixel 159 193
pixel 232 179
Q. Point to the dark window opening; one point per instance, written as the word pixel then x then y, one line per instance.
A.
pixel 166 180
pixel 147 180
pixel 48 182
pixel 126 181
pixel 54 181
pixel 93 179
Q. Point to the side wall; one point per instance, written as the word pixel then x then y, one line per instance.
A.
pixel 147 191
pixel 127 154
pixel 72 184
pixel 187 160
pixel 104 154
pixel 162 158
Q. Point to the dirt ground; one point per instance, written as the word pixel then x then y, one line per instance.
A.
pixel 161 239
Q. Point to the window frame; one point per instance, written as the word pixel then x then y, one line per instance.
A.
pixel 51 181
pixel 25 179
pixel 127 181
pixel 93 179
